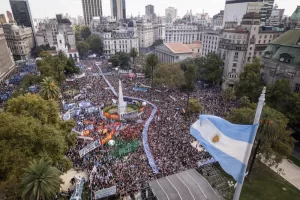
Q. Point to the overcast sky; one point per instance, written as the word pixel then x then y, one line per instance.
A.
pixel 48 8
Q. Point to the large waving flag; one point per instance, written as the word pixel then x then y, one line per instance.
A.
pixel 226 142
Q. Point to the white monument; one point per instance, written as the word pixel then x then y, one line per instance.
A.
pixel 122 105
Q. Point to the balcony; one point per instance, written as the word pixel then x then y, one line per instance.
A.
pixel 252 41
pixel 235 58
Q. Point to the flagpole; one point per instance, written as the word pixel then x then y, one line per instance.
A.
pixel 259 108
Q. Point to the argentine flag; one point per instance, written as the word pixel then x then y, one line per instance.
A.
pixel 226 142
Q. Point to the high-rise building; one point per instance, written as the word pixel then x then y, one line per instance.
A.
pixel 124 9
pixel 3 19
pixel 117 9
pixel 10 17
pixel 7 64
pixel 22 13
pixel 91 8
pixel 171 14
pixel 266 11
pixel 149 10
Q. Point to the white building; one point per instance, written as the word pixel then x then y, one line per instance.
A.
pixel 185 34
pixel 173 52
pixel 171 14
pixel 217 21
pixel 91 8
pixel 121 39
pixel 19 39
pixel 210 42
pixel 276 17
pixel 47 32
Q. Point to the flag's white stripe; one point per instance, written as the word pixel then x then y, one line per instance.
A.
pixel 231 147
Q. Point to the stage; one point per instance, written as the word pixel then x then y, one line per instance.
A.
pixel 187 185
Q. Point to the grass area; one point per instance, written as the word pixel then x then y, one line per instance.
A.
pixel 295 160
pixel 265 184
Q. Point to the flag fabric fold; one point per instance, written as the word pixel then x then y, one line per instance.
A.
pixel 226 142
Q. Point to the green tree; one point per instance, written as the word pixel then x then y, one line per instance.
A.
pixel 70 67
pixel 210 69
pixel 250 83
pixel 95 44
pixel 190 76
pixel 169 74
pixel 230 94
pixel 49 89
pixel 27 81
pixel 273 140
pixel 124 60
pixel 245 102
pixel 40 181
pixel 83 48
pixel 85 32
pixel 133 55
pixel 194 105
pixel 151 62
pixel 114 60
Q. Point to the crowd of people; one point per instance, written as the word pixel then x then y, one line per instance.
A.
pixel 168 134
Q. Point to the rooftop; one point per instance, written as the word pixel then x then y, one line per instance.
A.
pixel 178 48
pixel 296 15
pixel 289 38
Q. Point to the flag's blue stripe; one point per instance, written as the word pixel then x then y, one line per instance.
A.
pixel 229 164
pixel 243 133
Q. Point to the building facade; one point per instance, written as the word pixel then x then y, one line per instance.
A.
pixel 217 21
pixel 149 10
pixel 210 42
pixel 275 18
pixel 170 14
pixel 3 19
pixel 117 9
pixel 47 32
pixel 182 33
pixel 91 8
pixel 7 64
pixel 19 40
pixel 124 8
pixel 281 59
pixel 173 52
pixel 10 17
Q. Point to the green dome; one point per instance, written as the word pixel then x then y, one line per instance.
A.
pixel 296 15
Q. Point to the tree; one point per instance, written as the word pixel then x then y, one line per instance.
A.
pixel 83 48
pixel 36 52
pixel 70 67
pixel 273 141
pixel 114 60
pixel 190 76
pixel 95 44
pixel 133 55
pixel 194 105
pixel 40 181
pixel 230 94
pixel 49 89
pixel 210 68
pixel 250 83
pixel 124 59
pixel 85 32
pixel 245 102
pixel 27 81
pixel 151 62
pixel 169 74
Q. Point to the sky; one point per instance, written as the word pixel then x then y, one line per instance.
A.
pixel 48 8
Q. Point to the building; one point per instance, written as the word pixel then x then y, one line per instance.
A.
pixel 217 21
pixel 62 46
pixel 120 39
pixel 19 40
pixel 47 32
pixel 281 59
pixel 173 52
pixel 149 10
pixel 203 20
pixel 276 17
pixel 195 48
pixel 3 19
pixel 91 8
pixel 170 14
pixel 10 17
pixel 182 33
pixel 239 46
pixel 266 11
pixel 124 9
pixel 22 13
pixel 117 9
pixel 7 64
pixel 210 42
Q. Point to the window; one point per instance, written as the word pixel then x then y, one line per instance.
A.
pixel 258 41
pixel 264 41
pixel 234 65
pixel 265 36
pixel 297 87
pixel 236 53
pixel 250 48
pixel 234 70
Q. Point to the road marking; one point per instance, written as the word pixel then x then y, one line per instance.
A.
pixel 186 186
pixel 174 187
pixel 163 189
pixel 196 183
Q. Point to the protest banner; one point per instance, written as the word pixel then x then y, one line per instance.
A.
pixel 105 192
pixel 90 147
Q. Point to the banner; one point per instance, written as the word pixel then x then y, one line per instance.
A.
pixel 90 147
pixel 131 115
pixel 78 189
pixel 105 192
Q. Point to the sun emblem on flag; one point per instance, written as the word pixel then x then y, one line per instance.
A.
pixel 216 138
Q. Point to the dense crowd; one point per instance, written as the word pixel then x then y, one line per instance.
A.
pixel 168 134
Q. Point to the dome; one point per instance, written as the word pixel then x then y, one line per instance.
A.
pixel 131 24
pixel 14 28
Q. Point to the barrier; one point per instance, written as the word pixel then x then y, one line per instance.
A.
pixel 146 126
